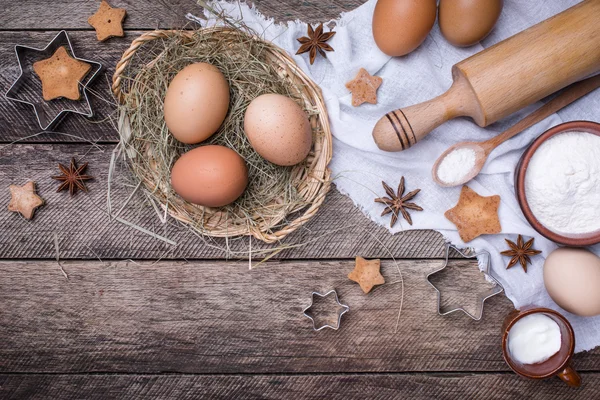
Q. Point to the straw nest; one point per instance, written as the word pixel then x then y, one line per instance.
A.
pixel 278 199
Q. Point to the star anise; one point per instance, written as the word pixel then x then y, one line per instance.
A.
pixel 316 41
pixel 397 203
pixel 520 252
pixel 72 177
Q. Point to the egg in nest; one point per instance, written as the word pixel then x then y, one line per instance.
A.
pixel 196 103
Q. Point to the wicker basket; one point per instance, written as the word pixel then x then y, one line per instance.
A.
pixel 312 177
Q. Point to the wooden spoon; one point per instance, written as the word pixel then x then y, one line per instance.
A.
pixel 483 149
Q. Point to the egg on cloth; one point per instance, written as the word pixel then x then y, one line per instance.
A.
pixel 211 176
pixel 278 129
pixel 400 26
pixel 196 103
pixel 467 22
pixel 572 279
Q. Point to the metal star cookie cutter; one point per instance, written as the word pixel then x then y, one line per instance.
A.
pixel 27 88
pixel 482 297
pixel 337 300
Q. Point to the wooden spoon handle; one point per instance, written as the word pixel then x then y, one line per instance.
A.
pixel 566 97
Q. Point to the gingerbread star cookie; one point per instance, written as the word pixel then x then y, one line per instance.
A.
pixel 475 215
pixel 61 75
pixel 364 88
pixel 24 200
pixel 366 274
pixel 108 21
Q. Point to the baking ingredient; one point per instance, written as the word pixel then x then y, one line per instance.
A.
pixel 278 129
pixel 475 215
pixel 534 339
pixel 520 252
pixel 24 199
pixel 400 26
pixel 211 176
pixel 316 41
pixel 572 279
pixel 364 88
pixel 108 21
pixel 367 274
pixel 60 75
pixel 397 203
pixel 196 103
pixel 562 183
pixel 466 22
pixel 73 178
pixel 457 165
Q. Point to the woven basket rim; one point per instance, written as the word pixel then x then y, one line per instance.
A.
pixel 317 181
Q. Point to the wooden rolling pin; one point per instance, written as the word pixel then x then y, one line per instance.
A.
pixel 506 77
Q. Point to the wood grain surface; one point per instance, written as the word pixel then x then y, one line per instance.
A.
pixel 138 317
pixel 220 317
pixel 444 386
pixel 32 15
pixel 85 229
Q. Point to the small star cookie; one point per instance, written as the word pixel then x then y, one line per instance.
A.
pixel 61 75
pixel 108 21
pixel 475 215
pixel 366 274
pixel 364 88
pixel 24 200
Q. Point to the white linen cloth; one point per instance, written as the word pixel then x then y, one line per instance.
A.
pixel 358 166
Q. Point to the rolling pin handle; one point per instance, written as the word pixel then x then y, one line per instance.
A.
pixel 400 129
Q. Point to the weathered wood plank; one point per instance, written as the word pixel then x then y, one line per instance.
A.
pixel 496 386
pixel 219 317
pixel 84 230
pixel 66 14
pixel 308 11
pixel 150 14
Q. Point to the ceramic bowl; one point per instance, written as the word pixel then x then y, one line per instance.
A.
pixel 585 239
pixel 558 364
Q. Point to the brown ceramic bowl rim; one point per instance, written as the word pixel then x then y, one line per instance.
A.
pixel 586 239
pixel 525 313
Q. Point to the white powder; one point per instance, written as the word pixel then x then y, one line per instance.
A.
pixel 534 339
pixel 456 165
pixel 562 183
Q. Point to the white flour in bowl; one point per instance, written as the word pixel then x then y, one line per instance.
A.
pixel 562 183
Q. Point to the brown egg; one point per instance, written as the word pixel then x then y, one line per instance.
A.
pixel 466 22
pixel 278 129
pixel 196 103
pixel 400 26
pixel 211 176
pixel 572 279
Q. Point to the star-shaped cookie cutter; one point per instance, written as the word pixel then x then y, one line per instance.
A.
pixel 482 297
pixel 337 300
pixel 27 83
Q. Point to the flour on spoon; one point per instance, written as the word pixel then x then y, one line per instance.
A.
pixel 456 165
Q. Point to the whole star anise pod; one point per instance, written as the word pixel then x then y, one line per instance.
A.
pixel 397 203
pixel 72 177
pixel 316 41
pixel 520 252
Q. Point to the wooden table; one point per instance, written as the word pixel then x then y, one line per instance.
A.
pixel 140 317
